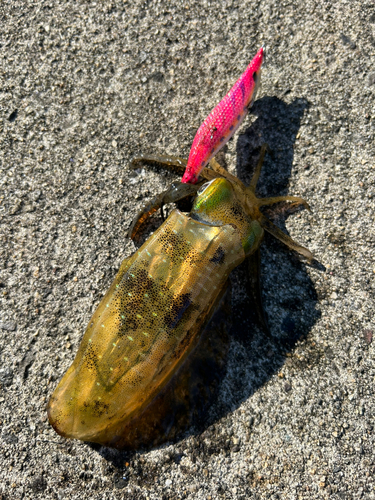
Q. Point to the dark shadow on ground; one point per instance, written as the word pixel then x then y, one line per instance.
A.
pixel 277 125
pixel 289 297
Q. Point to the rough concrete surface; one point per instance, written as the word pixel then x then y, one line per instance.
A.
pixel 87 85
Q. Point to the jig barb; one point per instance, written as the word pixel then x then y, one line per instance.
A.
pixel 224 120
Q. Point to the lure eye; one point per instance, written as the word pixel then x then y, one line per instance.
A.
pixel 255 77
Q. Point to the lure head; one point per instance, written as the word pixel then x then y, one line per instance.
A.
pixel 216 204
pixel 256 65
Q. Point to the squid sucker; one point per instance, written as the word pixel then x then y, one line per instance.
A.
pixel 155 349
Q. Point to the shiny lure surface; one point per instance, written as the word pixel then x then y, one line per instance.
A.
pixel 224 119
pixel 135 380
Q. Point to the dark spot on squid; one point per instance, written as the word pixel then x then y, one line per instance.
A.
pixel 178 307
pixel 131 324
pixel 219 256
pixel 143 282
pixel 99 408
pixel 236 210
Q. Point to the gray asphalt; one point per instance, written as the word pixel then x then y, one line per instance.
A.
pixel 85 86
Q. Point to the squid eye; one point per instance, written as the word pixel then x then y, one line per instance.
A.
pixel 204 187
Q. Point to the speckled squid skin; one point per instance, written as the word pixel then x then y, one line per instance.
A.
pixel 224 120
pixel 151 317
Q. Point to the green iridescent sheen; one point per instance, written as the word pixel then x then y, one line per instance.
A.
pixel 212 195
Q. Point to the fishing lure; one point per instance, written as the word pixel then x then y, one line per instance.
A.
pixel 133 379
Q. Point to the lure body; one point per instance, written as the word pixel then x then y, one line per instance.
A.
pixel 224 120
